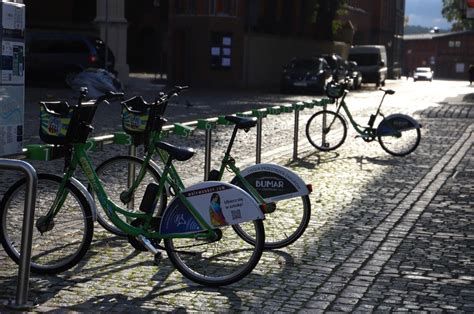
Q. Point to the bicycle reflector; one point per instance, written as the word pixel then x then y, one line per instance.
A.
pixel 310 187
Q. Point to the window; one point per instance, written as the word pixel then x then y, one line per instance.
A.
pixel 222 7
pixel 204 7
pixel 221 51
pixel 454 44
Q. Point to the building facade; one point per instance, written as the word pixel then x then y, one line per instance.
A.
pixel 222 43
pixel 448 54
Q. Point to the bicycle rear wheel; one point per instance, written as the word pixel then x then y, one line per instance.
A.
pixel 217 263
pixel 283 226
pixel 326 130
pixel 113 173
pixel 402 141
pixel 68 235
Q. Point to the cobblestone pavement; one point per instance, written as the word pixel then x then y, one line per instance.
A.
pixel 386 234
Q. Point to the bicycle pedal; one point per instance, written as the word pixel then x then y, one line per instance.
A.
pixel 157 258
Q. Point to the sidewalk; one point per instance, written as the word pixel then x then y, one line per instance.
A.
pixel 386 234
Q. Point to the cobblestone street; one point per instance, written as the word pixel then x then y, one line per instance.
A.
pixel 386 233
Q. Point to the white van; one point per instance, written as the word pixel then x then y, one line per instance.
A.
pixel 371 61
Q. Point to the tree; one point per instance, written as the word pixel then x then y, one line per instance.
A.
pixel 453 13
pixel 325 13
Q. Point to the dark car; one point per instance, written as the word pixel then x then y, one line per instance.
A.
pixel 338 67
pixel 52 55
pixel 354 75
pixel 305 74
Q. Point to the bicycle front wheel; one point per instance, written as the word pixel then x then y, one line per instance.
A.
pixel 401 141
pixel 326 130
pixel 114 175
pixel 220 262
pixel 63 240
pixel 283 226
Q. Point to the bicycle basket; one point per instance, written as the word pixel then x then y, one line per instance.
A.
pixel 334 90
pixel 61 124
pixel 138 115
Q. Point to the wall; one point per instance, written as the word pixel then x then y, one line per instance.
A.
pixel 264 56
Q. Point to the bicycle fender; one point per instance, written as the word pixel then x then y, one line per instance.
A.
pixel 88 196
pixel 392 122
pixel 273 182
pixel 218 203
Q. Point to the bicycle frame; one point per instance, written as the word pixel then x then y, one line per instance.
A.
pixel 80 158
pixel 175 181
pixel 359 129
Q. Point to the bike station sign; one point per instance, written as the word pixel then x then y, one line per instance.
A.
pixel 12 77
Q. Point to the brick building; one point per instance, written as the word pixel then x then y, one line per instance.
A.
pixel 380 23
pixel 448 54
pixel 216 42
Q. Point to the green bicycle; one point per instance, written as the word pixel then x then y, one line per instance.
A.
pixel 194 226
pixel 398 134
pixel 270 184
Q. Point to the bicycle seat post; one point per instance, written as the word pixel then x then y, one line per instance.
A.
pixel 231 141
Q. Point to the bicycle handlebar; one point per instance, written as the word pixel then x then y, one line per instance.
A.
pixel 109 96
pixel 173 92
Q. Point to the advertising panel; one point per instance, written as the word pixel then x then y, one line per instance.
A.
pixel 218 203
pixel 11 119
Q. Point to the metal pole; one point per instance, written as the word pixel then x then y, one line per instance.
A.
pixel 27 229
pixel 106 35
pixel 295 136
pixel 132 151
pixel 258 154
pixel 207 153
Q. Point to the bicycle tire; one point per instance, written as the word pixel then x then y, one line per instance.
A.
pixel 315 130
pixel 46 259
pixel 282 223
pixel 115 166
pixel 211 266
pixel 401 145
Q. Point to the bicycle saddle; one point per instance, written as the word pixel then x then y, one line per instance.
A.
pixel 242 122
pixel 178 153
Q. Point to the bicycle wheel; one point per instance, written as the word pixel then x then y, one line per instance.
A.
pixel 326 130
pixel 284 226
pixel 220 262
pixel 113 173
pixel 66 239
pixel 403 140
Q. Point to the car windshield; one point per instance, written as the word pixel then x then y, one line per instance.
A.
pixel 306 64
pixel 424 70
pixel 364 59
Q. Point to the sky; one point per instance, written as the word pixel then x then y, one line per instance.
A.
pixel 426 13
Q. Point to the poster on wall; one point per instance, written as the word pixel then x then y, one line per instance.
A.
pixel 11 119
pixel 13 62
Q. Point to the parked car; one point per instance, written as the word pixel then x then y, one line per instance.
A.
pixel 354 75
pixel 423 73
pixel 338 67
pixel 305 74
pixel 371 61
pixel 52 55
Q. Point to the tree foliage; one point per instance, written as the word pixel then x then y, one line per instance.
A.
pixel 324 18
pixel 453 13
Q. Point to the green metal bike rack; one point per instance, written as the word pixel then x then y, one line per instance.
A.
pixel 208 125
pixel 275 110
pixel 260 114
pixel 183 129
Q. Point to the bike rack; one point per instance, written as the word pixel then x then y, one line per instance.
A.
pixel 27 230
